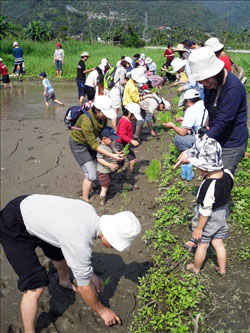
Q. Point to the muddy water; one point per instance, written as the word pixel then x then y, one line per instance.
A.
pixel 26 101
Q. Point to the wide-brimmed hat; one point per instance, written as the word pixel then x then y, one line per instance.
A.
pixel 104 104
pixel 138 76
pixel 214 44
pixel 15 44
pixel 109 132
pixel 191 93
pixel 120 229
pixel 85 54
pixel 129 60
pixel 148 60
pixel 204 64
pixel 206 154
pixel 135 109
pixel 177 64
pixel 180 48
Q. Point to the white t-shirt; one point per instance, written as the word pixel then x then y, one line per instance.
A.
pixel 193 116
pixel 59 54
pixel 91 80
pixel 149 105
pixel 66 223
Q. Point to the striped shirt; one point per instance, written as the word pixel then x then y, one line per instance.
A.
pixel 101 168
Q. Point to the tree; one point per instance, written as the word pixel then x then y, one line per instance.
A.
pixel 38 31
pixel 6 27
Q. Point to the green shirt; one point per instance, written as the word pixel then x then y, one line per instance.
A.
pixel 89 131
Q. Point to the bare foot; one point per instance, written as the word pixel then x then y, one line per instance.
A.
pixel 191 268
pixel 153 133
pixel 221 272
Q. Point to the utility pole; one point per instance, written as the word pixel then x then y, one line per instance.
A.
pixel 145 32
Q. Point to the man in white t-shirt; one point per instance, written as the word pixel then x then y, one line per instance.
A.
pixel 195 116
pixel 64 229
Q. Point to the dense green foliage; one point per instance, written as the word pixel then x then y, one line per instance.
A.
pixel 153 171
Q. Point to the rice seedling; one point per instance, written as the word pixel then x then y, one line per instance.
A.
pixel 153 171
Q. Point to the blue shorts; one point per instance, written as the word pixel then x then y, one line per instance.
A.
pixel 80 86
pixel 58 64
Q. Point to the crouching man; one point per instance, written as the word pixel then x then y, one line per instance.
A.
pixel 64 229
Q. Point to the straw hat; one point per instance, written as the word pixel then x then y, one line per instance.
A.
pixel 204 64
pixel 148 60
pixel 177 64
pixel 180 47
pixel 85 54
pixel 214 44
pixel 120 229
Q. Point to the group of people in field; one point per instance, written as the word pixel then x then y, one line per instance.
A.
pixel 212 138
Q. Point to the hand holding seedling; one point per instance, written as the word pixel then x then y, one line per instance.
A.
pixel 168 125
pixel 179 119
pixel 109 317
pixel 135 143
pixel 118 157
pixel 113 166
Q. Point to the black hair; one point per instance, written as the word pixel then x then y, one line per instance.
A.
pixel 123 62
pixel 125 112
pixel 220 77
pixel 169 45
pixel 219 51
pixel 137 55
pixel 122 57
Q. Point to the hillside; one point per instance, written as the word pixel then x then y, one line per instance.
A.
pixel 102 16
pixel 237 12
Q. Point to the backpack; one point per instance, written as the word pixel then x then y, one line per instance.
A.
pixel 239 72
pixel 72 114
pixel 109 78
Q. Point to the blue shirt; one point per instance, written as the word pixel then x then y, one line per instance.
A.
pixel 18 52
pixel 48 86
pixel 228 124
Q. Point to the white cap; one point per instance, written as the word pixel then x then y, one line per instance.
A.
pixel 177 64
pixel 138 76
pixel 191 93
pixel 214 44
pixel 129 60
pixel 135 109
pixel 120 229
pixel 104 62
pixel 103 103
pixel 148 60
pixel 15 44
pixel 166 104
pixel 1 59
pixel 204 64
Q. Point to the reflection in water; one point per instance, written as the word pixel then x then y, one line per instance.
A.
pixel 26 101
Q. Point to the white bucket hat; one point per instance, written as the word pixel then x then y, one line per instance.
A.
pixel 191 93
pixel 104 104
pixel 135 109
pixel 204 64
pixel 206 154
pixel 120 230
pixel 214 44
pixel 15 44
pixel 177 64
pixel 129 60
pixel 148 60
pixel 138 76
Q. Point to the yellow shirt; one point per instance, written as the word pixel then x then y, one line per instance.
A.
pixel 131 93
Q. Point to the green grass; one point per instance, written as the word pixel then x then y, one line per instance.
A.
pixel 153 171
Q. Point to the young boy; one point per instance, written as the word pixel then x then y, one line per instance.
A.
pixel 106 165
pixel 48 90
pixel 210 219
pixel 125 132
pixel 5 75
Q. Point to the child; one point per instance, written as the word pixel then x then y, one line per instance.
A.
pixel 106 165
pixel 48 90
pixel 5 75
pixel 125 132
pixel 209 223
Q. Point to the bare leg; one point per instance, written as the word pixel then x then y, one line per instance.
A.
pixel 103 195
pixel 221 254
pixel 113 121
pixel 81 100
pixel 150 127
pixel 86 188
pixel 5 85
pixel 29 306
pixel 131 166
pixel 47 104
pixel 63 273
pixel 199 258
pixel 58 102
pixel 10 86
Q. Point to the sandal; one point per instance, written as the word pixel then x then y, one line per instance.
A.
pixel 191 247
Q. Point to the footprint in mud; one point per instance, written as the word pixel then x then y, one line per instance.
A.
pixel 4 288
pixel 40 137
pixel 30 148
pixel 32 158
pixel 58 133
